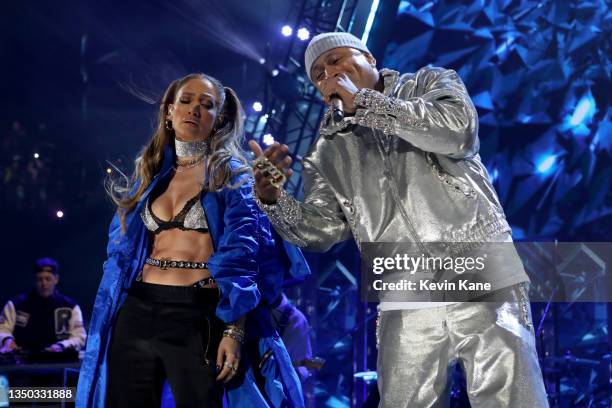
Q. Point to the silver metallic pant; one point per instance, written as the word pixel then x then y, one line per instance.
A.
pixel 493 342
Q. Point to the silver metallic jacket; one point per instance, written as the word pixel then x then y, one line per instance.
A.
pixel 405 167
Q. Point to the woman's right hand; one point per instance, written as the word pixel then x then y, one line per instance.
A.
pixel 279 156
pixel 228 358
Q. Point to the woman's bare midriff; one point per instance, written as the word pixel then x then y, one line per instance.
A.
pixel 179 245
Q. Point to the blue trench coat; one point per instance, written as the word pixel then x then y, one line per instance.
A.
pixel 248 264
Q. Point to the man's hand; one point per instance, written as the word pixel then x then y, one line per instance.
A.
pixel 8 346
pixel 279 156
pixel 54 348
pixel 342 86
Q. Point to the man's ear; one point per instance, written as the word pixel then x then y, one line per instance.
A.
pixel 371 60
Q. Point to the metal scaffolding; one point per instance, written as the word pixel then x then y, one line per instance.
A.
pixel 330 298
pixel 293 108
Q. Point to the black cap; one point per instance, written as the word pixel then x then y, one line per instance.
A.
pixel 46 263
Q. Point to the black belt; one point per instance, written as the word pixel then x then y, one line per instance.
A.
pixel 168 263
pixel 204 282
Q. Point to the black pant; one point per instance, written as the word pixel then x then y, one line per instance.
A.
pixel 165 332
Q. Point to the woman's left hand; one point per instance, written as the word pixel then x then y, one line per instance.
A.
pixel 228 358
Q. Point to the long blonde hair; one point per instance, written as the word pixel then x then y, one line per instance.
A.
pixel 225 144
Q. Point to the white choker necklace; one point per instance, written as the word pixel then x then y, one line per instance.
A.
pixel 190 149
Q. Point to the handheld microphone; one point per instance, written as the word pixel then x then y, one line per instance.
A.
pixel 337 108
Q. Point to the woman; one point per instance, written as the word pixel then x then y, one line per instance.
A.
pixel 182 285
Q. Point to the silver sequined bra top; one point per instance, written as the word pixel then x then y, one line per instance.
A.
pixel 191 217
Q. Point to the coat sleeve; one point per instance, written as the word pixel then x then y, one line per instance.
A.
pixel 234 263
pixel 316 224
pixel 7 321
pixel 438 117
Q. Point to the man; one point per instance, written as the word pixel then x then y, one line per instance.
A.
pixel 403 166
pixel 293 328
pixel 43 319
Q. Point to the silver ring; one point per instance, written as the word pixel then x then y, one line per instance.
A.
pixel 230 365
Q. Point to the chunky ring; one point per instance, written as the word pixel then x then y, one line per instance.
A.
pixel 270 171
pixel 230 365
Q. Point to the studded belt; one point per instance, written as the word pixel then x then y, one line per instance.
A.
pixel 168 263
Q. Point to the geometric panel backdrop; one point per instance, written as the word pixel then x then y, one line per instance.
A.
pixel 540 76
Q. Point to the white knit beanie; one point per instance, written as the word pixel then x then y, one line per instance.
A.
pixel 322 43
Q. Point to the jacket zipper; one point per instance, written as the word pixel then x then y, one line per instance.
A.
pixel 393 184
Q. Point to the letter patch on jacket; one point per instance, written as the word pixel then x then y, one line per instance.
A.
pixel 21 318
pixel 62 320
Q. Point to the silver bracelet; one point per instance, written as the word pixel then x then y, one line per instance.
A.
pixel 234 333
pixel 285 211
pixel 381 112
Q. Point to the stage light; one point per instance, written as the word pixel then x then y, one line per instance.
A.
pixel 578 121
pixel 59 214
pixel 303 34
pixel 546 163
pixel 494 174
pixel 268 139
pixel 109 170
pixel 369 21
pixel 274 72
pixel 585 109
pixel 367 376
pixel 36 155
pixel 503 47
pixel 335 402
pixel 582 109
pixel 257 106
pixel 287 31
pixel 262 61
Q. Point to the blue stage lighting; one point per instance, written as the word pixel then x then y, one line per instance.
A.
pixel 335 402
pixel 367 376
pixel 584 107
pixel 257 106
pixel 504 47
pixel 582 116
pixel 494 175
pixel 546 163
